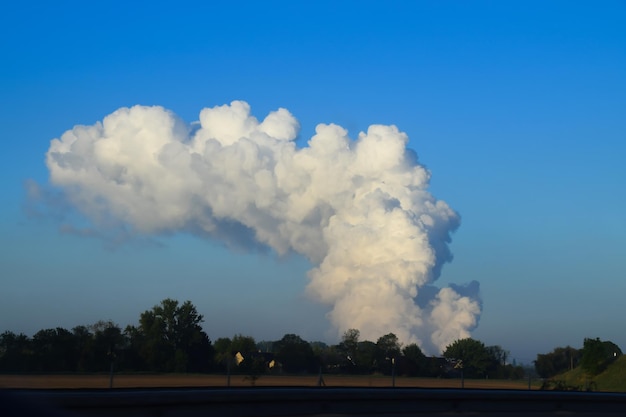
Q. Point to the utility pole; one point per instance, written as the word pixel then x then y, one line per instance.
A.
pixel 228 360
pixel 112 357
pixel 320 379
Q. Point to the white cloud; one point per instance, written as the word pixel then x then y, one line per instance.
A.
pixel 359 210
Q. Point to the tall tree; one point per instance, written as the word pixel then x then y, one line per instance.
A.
pixel 497 359
pixel 497 354
pixel 388 345
pixel 244 349
pixel 415 360
pixel 473 355
pixel 16 352
pixel 54 350
pixel 366 357
pixel 243 344
pixel 172 338
pixel 561 359
pixel 108 344
pixel 350 343
pixel 597 355
pixel 223 355
pixel 346 353
pixel 295 354
pixel 388 348
pixel 133 358
pixel 83 339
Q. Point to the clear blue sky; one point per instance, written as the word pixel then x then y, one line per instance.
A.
pixel 518 109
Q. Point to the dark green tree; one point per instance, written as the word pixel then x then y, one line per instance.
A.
pixel 172 339
pixel 226 350
pixel 414 360
pixel 347 351
pixel 244 349
pixel 497 358
pixel 367 353
pixel 388 345
pixel 223 354
pixel 560 360
pixel 332 359
pixel 597 355
pixel 388 349
pixel 84 344
pixel 133 359
pixel 243 344
pixel 109 344
pixel 295 354
pixel 497 354
pixel 473 355
pixel 350 343
pixel 265 346
pixel 54 350
pixel 16 354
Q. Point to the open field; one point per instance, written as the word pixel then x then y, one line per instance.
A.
pixel 199 380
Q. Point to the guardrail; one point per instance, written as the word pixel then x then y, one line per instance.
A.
pixel 265 402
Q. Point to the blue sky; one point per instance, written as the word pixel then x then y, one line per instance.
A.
pixel 516 108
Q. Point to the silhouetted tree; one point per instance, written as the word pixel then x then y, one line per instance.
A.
pixel 497 354
pixel 349 343
pixel 108 344
pixel 473 355
pixel 561 359
pixel 265 346
pixel 497 357
pixel 597 355
pixel 54 350
pixel 388 349
pixel 133 359
pixel 346 353
pixel 367 353
pixel 332 359
pixel 223 355
pixel 246 349
pixel 84 345
pixel 172 339
pixel 243 344
pixel 414 360
pixel 16 354
pixel 295 354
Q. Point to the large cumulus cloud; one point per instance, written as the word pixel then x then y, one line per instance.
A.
pixel 358 209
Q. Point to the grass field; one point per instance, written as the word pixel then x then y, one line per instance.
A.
pixel 612 379
pixel 199 380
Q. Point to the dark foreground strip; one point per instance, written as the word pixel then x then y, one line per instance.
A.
pixel 263 402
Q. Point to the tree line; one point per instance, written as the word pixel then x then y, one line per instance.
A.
pixel 594 357
pixel 169 338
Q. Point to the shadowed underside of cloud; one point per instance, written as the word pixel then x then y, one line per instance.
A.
pixel 358 209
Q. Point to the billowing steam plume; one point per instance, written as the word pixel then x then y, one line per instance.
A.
pixel 359 210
